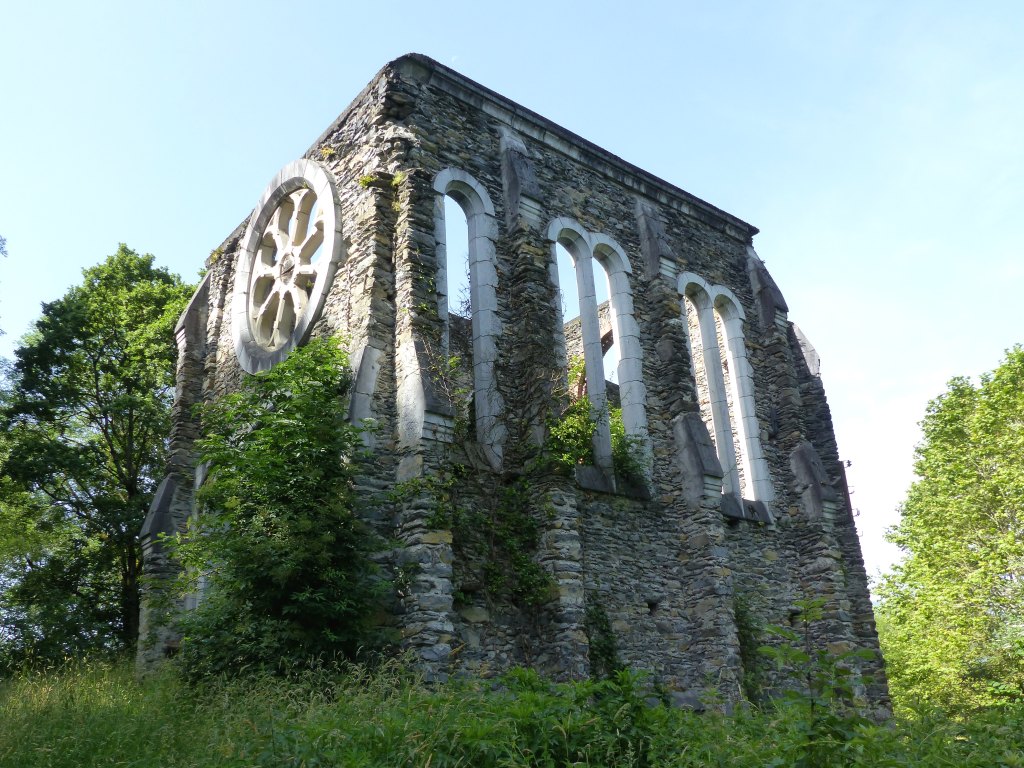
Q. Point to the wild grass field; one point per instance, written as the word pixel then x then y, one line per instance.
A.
pixel 96 714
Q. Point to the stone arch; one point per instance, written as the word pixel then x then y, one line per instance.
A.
pixel 754 467
pixel 472 197
pixel 585 247
pixel 626 333
pixel 570 234
pixel 700 294
pixel 730 385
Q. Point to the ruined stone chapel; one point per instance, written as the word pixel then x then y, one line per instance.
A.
pixel 712 498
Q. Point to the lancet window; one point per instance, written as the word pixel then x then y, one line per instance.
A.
pixel 586 266
pixel 725 387
pixel 467 279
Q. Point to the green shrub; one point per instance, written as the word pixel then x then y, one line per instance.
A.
pixel 279 542
pixel 571 436
pixel 627 450
pixel 604 649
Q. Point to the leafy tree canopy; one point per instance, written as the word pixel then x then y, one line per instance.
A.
pixel 86 411
pixel 951 617
pixel 280 544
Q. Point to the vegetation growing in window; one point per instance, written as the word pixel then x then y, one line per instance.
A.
pixel 571 436
pixel 627 450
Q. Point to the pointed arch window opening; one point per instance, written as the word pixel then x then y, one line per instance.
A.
pixel 695 347
pixel 570 307
pixel 454 304
pixel 742 487
pixel 568 291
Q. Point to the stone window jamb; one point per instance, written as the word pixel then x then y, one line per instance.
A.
pixel 708 300
pixel 483 280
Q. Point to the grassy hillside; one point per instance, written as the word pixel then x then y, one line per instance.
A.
pixel 97 715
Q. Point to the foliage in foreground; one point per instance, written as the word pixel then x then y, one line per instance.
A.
pixel 280 542
pixel 95 714
pixel 85 413
pixel 951 617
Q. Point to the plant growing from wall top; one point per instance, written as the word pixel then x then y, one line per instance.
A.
pixel 627 450
pixel 280 542
pixel 570 438
pixel 571 434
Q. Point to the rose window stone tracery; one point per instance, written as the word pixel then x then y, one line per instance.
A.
pixel 284 270
pixel 291 250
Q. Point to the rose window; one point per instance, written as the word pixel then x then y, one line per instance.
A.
pixel 284 270
pixel 291 249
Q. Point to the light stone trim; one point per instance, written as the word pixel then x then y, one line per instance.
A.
pixel 584 247
pixel 528 124
pixel 767 295
pixel 699 292
pixel 256 354
pixel 367 364
pixel 710 299
pixel 472 197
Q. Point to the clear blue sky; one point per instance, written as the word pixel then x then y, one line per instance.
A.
pixel 879 146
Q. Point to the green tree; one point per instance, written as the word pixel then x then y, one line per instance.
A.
pixel 280 544
pixel 951 616
pixel 86 411
pixel 3 252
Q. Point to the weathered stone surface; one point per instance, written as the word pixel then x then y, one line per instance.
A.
pixel 668 558
pixel 474 614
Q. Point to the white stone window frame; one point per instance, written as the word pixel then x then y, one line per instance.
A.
pixel 708 299
pixel 486 325
pixel 584 246
pixel 252 356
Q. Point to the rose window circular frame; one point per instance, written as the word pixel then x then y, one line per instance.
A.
pixel 290 252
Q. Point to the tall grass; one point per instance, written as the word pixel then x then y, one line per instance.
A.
pixel 95 714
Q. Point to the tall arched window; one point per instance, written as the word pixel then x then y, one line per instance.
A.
pixel 725 388
pixel 595 256
pixel 459 187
